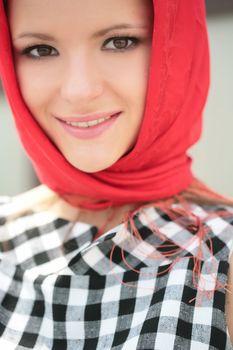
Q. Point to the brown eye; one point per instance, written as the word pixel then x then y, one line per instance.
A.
pixel 43 51
pixel 39 51
pixel 120 43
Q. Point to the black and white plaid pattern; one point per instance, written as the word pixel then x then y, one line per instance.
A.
pixel 68 295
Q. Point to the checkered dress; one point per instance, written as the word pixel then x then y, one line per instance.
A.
pixel 59 292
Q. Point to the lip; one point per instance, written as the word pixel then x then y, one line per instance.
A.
pixel 92 131
pixel 86 117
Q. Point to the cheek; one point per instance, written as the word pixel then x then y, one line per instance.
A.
pixel 34 84
pixel 28 84
pixel 132 77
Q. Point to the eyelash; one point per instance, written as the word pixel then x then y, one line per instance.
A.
pixel 135 41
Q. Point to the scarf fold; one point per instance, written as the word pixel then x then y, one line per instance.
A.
pixel 158 166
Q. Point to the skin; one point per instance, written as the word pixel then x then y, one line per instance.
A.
pixel 80 73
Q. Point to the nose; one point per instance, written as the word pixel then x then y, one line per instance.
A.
pixel 81 81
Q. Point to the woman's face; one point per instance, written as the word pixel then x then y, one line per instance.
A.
pixel 84 61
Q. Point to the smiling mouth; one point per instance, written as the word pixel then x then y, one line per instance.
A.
pixel 85 125
pixel 87 129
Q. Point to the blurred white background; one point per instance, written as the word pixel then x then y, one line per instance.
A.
pixel 213 161
pixel 213 155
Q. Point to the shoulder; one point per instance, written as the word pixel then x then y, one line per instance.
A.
pixel 20 204
pixel 34 196
pixel 218 220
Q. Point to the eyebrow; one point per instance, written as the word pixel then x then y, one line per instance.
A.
pixel 99 33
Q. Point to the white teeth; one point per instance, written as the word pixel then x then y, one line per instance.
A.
pixel 93 122
pixel 87 124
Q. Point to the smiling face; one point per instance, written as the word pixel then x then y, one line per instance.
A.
pixel 84 60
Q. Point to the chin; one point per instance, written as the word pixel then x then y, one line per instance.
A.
pixel 90 167
pixel 98 162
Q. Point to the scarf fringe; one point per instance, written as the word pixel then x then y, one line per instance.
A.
pixel 187 219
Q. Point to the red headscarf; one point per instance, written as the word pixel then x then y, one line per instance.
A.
pixel 158 166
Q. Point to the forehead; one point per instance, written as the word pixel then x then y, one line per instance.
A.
pixel 79 11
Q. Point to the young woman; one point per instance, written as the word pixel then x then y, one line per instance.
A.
pixel 121 247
